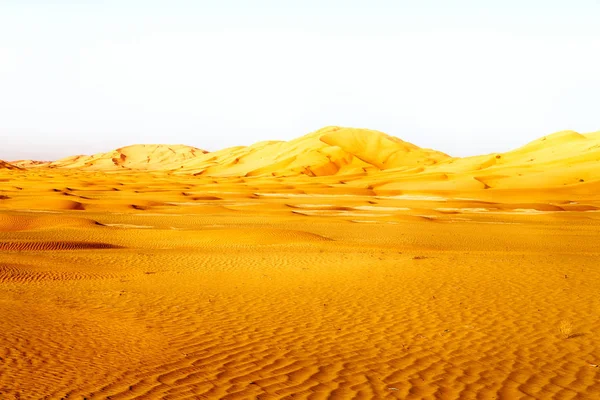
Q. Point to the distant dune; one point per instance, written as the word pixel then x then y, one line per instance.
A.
pixel 5 165
pixel 365 158
pixel 136 157
pixel 560 159
pixel 328 151
pixel 29 163
pixel 343 264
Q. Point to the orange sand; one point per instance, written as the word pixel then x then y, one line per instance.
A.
pixel 367 279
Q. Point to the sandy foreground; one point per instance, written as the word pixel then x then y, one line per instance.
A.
pixel 127 286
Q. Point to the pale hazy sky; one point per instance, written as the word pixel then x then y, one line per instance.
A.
pixel 464 77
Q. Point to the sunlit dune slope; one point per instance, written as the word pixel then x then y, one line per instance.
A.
pixel 560 159
pixel 328 151
pixel 136 284
pixel 563 158
pixel 593 135
pixel 366 160
pixel 379 149
pixel 307 155
pixel 29 163
pixel 136 157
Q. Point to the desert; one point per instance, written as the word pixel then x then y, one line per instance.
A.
pixel 346 263
pixel 317 199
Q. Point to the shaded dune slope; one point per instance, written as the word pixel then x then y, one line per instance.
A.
pixel 5 165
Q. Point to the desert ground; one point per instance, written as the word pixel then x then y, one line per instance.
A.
pixel 345 264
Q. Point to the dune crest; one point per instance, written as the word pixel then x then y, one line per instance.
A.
pixel 379 149
pixel 136 157
pixel 5 165
pixel 29 163
pixel 366 159
pixel 325 152
pixel 344 264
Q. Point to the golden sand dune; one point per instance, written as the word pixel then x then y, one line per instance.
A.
pixel 308 155
pixel 5 165
pixel 29 163
pixel 561 159
pixel 344 264
pixel 329 151
pixel 137 157
pixel 366 159
pixel 379 149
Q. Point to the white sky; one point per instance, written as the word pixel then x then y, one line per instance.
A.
pixel 463 77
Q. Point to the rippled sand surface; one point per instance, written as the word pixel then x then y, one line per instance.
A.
pixel 155 286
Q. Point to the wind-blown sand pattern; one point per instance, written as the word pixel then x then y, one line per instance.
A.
pixel 345 264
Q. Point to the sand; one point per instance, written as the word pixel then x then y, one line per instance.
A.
pixel 364 159
pixel 143 283
pixel 5 165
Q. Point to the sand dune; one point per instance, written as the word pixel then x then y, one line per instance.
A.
pixel 379 149
pixel 329 151
pixel 30 163
pixel 365 159
pixel 343 264
pixel 5 165
pixel 563 158
pixel 308 155
pixel 136 157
